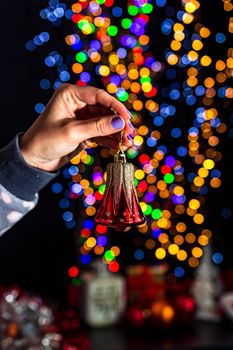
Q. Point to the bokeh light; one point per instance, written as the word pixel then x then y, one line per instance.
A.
pixel 176 161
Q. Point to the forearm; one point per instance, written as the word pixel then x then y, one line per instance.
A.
pixel 19 185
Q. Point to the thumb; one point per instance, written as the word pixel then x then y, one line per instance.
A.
pixel 101 126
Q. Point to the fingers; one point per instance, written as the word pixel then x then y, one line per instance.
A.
pixel 96 127
pixel 89 95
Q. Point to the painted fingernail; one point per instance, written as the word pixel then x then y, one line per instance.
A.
pixel 117 123
pixel 130 137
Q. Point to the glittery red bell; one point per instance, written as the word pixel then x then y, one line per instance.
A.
pixel 120 206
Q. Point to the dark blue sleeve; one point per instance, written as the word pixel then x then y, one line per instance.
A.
pixel 19 178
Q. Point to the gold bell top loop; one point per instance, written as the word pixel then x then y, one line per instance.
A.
pixel 120 155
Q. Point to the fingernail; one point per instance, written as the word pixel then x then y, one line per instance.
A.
pixel 117 123
pixel 130 137
pixel 131 125
pixel 131 115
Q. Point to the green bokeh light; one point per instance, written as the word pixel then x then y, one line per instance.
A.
pixel 112 30
pixel 156 214
pixel 169 178
pixel 126 23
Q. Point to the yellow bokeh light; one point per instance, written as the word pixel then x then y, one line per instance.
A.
pixel 175 45
pixel 139 174
pixel 198 219
pixel 178 190
pixel 172 59
pixel 160 253
pixel 113 59
pixel 138 140
pixel 194 204
pixel 133 74
pixel 146 87
pixel 208 164
pixel 192 56
pixel 197 252
pixel 179 36
pixel 205 60
pixel 198 181
pixel 144 72
pixel 187 18
pixel 162 223
pixel 178 27
pixel 111 88
pixel 203 240
pixel 191 7
pixel 197 45
pixel 203 172
pixel 181 255
pixel 91 242
pixel 173 249
pixel 104 71
pixel 230 62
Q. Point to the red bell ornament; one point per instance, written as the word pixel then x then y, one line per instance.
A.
pixel 120 206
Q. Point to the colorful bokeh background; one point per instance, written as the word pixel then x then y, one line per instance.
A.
pixel 153 57
pixel 171 64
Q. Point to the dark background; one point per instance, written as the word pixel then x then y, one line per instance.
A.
pixel 37 252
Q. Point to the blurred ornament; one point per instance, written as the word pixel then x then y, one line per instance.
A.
pixel 25 322
pixel 206 289
pixel 226 304
pixel 120 207
pixel 145 284
pixel 103 297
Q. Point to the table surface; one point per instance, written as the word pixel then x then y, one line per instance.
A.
pixel 199 336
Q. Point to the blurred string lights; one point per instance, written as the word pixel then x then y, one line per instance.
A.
pixel 176 157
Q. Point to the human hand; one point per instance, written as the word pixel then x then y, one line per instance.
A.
pixel 73 119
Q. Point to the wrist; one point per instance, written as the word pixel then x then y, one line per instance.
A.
pixel 34 161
